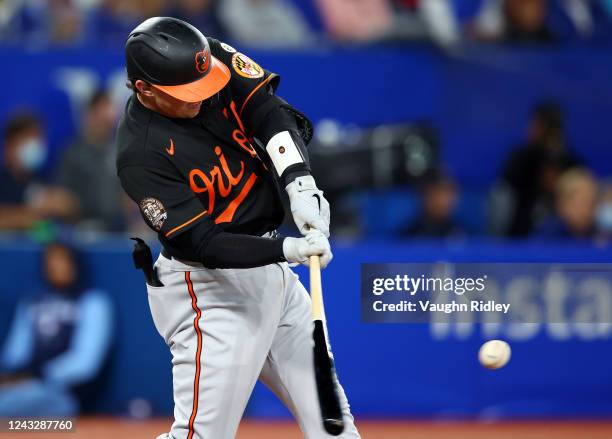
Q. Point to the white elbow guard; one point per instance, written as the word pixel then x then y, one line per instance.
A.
pixel 283 152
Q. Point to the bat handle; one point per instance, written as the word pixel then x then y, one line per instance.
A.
pixel 316 290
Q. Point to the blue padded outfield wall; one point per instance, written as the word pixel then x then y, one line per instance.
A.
pixel 388 370
pixel 479 99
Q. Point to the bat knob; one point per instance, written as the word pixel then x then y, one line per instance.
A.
pixel 335 427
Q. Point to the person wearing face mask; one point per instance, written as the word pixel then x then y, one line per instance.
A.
pixel 24 201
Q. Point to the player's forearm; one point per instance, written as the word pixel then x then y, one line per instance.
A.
pixel 287 152
pixel 229 250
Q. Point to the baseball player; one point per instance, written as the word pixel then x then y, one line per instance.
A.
pixel 206 148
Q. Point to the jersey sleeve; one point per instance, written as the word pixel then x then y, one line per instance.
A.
pixel 251 85
pixel 166 203
pixel 254 92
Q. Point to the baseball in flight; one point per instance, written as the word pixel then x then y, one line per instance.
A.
pixel 494 354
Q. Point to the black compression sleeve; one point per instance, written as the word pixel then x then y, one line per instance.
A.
pixel 229 250
pixel 275 120
pixel 218 249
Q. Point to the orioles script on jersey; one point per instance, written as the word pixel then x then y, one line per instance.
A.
pixel 214 183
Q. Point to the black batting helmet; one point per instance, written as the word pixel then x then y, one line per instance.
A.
pixel 174 57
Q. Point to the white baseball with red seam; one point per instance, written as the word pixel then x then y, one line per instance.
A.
pixel 494 354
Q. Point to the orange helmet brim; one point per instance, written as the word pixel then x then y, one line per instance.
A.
pixel 202 89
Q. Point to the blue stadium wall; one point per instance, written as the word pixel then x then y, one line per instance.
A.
pixel 388 370
pixel 479 98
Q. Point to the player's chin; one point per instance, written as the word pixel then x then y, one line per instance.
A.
pixel 191 109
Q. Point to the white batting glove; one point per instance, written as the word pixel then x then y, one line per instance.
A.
pixel 299 250
pixel 309 208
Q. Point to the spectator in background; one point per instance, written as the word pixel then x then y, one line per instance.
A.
pixel 201 14
pixel 575 202
pixel 113 20
pixel 603 215
pixel 515 21
pixel 268 23
pixel 530 175
pixel 87 167
pixel 375 20
pixel 433 19
pixel 41 22
pixel 580 20
pixel 438 201
pixel 24 200
pixel 57 344
pixel 65 22
pixel 356 20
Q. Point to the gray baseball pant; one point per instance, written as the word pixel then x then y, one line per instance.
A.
pixel 226 328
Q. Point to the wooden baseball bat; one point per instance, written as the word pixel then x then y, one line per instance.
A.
pixel 325 374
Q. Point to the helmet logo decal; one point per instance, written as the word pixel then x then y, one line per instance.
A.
pixel 202 60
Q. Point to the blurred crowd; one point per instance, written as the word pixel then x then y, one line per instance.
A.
pixel 276 23
pixel 55 357
pixel 543 190
pixel 83 188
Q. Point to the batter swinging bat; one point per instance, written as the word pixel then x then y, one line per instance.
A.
pixel 325 374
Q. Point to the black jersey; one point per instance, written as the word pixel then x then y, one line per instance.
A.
pixel 203 171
